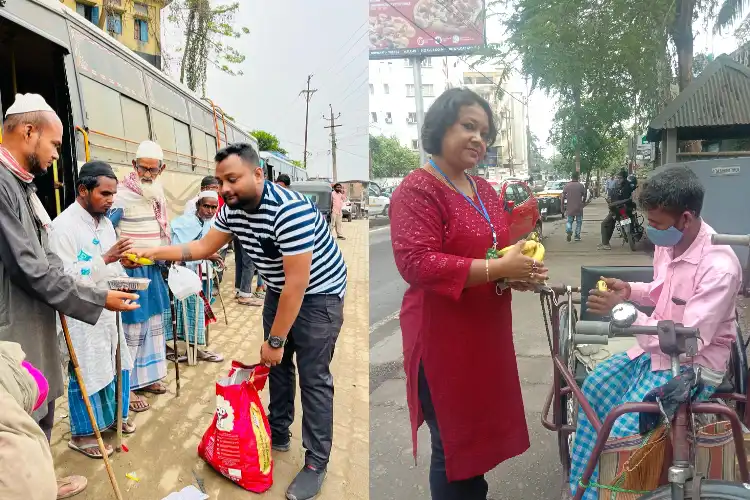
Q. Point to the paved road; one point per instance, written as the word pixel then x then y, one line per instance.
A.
pixel 536 474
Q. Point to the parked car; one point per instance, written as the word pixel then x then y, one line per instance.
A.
pixel 519 201
pixel 378 202
pixel 346 210
pixel 319 192
pixel 550 199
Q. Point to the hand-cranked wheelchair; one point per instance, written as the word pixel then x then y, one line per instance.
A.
pixel 575 340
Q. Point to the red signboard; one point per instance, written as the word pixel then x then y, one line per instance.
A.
pixel 411 28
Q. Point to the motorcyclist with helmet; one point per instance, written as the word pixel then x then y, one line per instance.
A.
pixel 623 190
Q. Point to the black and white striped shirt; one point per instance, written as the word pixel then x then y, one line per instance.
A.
pixel 287 223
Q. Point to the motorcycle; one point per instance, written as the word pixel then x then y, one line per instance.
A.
pixel 628 223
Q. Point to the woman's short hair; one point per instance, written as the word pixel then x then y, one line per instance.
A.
pixel 443 114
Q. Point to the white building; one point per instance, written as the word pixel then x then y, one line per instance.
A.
pixel 393 110
pixel 507 157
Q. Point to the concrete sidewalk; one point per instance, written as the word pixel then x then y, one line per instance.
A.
pixel 163 451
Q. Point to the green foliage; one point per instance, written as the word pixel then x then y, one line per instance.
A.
pixel 206 30
pixel 268 142
pixel 297 163
pixel 390 158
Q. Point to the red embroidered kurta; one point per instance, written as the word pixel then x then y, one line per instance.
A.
pixel 463 337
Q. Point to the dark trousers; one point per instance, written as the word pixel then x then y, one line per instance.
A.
pixel 243 269
pixel 313 339
pixel 48 421
pixel 608 227
pixel 474 488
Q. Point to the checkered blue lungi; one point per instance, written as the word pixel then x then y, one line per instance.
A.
pixel 103 404
pixel 148 350
pixel 614 382
pixel 196 316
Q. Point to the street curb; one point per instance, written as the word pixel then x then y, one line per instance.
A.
pixel 379 222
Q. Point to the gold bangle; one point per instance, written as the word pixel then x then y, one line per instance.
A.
pixel 487 268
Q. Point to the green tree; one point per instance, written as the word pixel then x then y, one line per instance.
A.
pixel 207 30
pixel 297 163
pixel 268 141
pixel 389 158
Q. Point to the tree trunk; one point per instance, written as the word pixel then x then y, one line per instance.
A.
pixel 682 34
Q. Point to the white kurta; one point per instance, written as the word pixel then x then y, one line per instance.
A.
pixel 81 241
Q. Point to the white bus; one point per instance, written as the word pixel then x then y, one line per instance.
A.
pixel 275 164
pixel 109 100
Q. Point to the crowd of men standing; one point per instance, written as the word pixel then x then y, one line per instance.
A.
pixel 63 266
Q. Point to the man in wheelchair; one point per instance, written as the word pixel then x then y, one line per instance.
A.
pixel 695 283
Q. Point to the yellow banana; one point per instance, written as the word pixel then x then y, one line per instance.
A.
pixel 601 286
pixel 140 260
pixel 528 248
pixel 539 253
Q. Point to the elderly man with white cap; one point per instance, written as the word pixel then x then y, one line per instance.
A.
pixel 33 282
pixel 191 227
pixel 139 213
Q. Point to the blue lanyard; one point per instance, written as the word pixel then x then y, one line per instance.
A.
pixel 482 211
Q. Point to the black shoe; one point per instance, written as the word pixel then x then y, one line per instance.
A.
pixel 307 484
pixel 569 235
pixel 280 444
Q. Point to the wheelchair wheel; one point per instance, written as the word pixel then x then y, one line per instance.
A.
pixel 568 402
pixel 710 490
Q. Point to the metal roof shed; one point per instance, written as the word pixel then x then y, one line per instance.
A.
pixel 716 105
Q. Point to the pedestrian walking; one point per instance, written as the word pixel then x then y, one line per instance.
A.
pixel 287 237
pixel 456 327
pixel 575 193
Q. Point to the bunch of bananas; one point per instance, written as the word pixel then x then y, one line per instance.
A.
pixel 532 248
pixel 140 260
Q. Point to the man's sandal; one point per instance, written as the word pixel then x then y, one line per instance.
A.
pixel 90 450
pixel 70 486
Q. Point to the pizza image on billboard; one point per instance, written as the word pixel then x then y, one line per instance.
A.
pixel 410 28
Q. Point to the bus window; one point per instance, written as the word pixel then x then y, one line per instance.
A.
pixel 199 148
pixel 135 121
pixel 164 136
pixel 167 100
pixel 104 114
pixel 211 150
pixel 182 140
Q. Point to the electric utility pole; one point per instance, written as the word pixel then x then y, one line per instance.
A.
pixel 308 95
pixel 333 126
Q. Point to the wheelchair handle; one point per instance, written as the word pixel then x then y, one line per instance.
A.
pixel 579 339
pixel 731 239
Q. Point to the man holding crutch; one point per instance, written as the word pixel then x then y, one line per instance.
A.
pixel 33 283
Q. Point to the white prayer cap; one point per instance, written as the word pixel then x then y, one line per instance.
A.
pixel 208 194
pixel 150 150
pixel 28 103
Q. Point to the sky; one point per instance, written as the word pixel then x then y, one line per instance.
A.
pixel 287 41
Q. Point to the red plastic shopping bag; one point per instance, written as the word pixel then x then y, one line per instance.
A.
pixel 238 442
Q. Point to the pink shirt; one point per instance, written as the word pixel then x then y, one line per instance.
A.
pixel 708 278
pixel 337 200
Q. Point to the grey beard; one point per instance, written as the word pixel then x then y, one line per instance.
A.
pixel 152 191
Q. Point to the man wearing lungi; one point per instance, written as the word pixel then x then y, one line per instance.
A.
pixel 288 239
pixel 191 314
pixel 86 242
pixel 695 283
pixel 139 213
pixel 33 283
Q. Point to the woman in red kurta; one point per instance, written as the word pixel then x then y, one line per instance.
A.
pixel 460 363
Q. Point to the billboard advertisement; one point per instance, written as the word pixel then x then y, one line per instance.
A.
pixel 430 28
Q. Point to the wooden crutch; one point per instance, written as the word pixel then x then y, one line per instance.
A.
pixel 118 368
pixel 89 410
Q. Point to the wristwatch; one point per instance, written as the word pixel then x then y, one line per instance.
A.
pixel 276 342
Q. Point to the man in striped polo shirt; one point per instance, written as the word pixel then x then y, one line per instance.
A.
pixel 289 242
